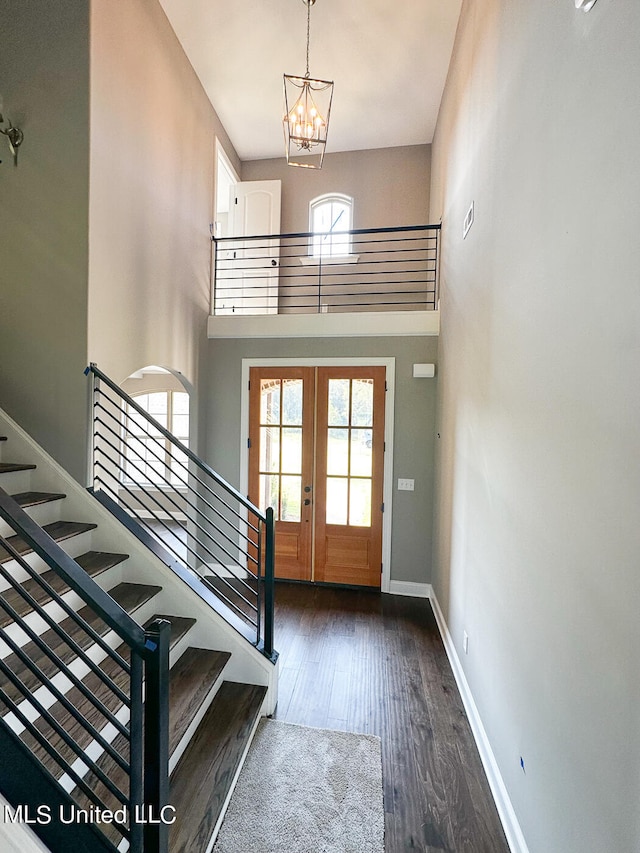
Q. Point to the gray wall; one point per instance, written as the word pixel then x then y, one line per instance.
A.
pixel 390 186
pixel 44 80
pixel 413 437
pixel 538 491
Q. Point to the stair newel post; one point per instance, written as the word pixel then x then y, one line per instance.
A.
pixel 156 739
pixel 94 387
pixel 269 566
pixel 136 728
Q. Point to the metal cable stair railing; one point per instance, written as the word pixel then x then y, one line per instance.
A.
pixel 194 520
pixel 53 753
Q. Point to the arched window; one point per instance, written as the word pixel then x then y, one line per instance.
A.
pixel 151 458
pixel 330 220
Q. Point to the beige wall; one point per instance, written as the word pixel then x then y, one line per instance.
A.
pixel 390 186
pixel 538 489
pixel 44 80
pixel 152 179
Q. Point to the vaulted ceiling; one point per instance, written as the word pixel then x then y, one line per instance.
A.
pixel 388 58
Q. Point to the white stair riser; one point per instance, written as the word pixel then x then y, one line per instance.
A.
pixel 41 513
pixel 74 546
pixel 16 481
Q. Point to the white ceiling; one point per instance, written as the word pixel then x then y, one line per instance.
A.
pixel 388 59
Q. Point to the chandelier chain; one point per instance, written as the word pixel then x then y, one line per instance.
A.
pixel 308 2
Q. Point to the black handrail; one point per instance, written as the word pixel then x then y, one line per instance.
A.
pixel 383 269
pixel 34 664
pixel 398 229
pixel 203 519
pixel 199 463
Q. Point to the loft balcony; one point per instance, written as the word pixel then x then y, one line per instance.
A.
pixel 311 284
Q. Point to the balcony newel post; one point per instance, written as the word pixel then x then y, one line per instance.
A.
pixel 156 738
pixel 214 272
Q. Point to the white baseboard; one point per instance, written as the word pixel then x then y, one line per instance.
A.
pixel 510 824
pixel 415 590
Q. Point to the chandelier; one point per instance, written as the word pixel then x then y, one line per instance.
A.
pixel 307 105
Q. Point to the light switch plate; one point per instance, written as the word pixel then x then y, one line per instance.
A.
pixel 406 485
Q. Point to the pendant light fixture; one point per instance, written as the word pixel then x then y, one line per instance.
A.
pixel 307 106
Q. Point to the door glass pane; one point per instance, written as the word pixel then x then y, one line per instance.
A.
pixel 269 493
pixel 361 453
pixel 290 498
pixel 292 450
pixel 362 402
pixel 292 401
pixel 360 503
pixel 339 402
pixel 269 449
pixel 337 491
pixel 338 451
pixel 270 401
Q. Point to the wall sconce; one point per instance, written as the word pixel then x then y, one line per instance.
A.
pixel 14 136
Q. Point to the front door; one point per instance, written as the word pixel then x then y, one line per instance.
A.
pixel 316 455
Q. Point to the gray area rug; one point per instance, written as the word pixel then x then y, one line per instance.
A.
pixel 305 790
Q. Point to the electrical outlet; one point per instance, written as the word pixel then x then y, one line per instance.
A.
pixel 405 485
pixel 465 642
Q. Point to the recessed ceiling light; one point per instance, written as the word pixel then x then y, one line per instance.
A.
pixel 585 5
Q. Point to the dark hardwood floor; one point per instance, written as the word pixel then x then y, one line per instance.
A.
pixel 361 661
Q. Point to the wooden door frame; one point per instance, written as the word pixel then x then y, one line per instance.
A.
pixel 389 363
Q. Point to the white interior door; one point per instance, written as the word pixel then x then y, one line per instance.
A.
pixel 250 284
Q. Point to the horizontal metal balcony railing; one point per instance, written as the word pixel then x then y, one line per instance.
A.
pixel 369 269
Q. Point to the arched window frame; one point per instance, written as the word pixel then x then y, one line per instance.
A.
pixel 323 213
pixel 172 410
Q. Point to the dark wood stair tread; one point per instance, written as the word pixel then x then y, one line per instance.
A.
pixel 235 593
pixel 201 781
pixel 191 679
pixel 8 467
pixel 130 596
pixel 185 696
pixel 58 530
pixel 180 625
pixel 93 562
pixel 27 499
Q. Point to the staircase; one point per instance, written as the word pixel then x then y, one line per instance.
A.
pixel 65 673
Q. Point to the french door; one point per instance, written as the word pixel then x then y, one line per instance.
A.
pixel 316 455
